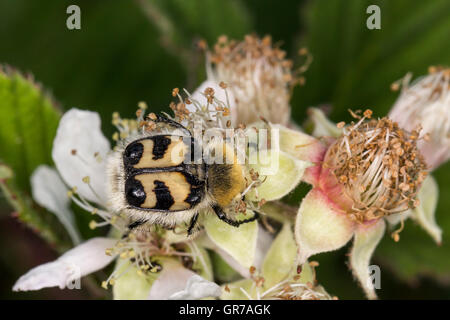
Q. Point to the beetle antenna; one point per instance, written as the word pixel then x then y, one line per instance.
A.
pixel 164 119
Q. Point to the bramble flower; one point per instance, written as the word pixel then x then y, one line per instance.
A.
pixel 278 277
pixel 426 103
pixel 373 171
pixel 155 262
pixel 80 151
pixel 258 75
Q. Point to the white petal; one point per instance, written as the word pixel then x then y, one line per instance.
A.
pixel 52 274
pixel 219 93
pixel 366 240
pixel 84 259
pixel 424 213
pixel 173 278
pixel 50 192
pixel 79 131
pixel 320 227
pixel 90 256
pixel 197 288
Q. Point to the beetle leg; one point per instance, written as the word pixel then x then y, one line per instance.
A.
pixel 255 217
pixel 192 224
pixel 222 216
pixel 136 224
pixel 133 226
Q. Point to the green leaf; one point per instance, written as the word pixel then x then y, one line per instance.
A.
pixel 38 219
pixel 27 127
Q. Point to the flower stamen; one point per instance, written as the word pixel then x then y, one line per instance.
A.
pixel 378 166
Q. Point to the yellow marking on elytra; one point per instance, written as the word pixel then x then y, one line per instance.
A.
pixel 173 156
pixel 177 184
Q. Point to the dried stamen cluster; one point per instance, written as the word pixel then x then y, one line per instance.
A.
pixel 378 166
pixel 426 102
pixel 259 76
pixel 289 289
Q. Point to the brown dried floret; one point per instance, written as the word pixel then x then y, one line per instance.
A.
pixel 379 167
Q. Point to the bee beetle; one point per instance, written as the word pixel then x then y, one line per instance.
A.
pixel 155 179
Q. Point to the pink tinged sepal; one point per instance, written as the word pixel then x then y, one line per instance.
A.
pixel 303 147
pixel 80 150
pixel 367 237
pixel 82 260
pixel 320 226
pixel 50 192
pixel 323 127
pixel 334 190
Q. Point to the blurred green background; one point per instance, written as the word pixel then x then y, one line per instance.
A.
pixel 131 51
